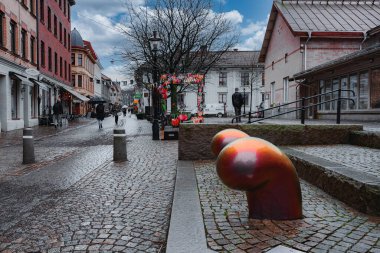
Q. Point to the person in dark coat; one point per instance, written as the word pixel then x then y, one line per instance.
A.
pixel 57 113
pixel 115 112
pixel 100 114
pixel 237 102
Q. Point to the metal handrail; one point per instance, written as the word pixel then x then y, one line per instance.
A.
pixel 302 100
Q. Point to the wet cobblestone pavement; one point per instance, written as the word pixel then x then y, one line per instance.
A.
pixel 86 203
pixel 328 225
pixel 362 159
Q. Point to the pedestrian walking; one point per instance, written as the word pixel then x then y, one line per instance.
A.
pixel 100 114
pixel 115 113
pixel 237 102
pixel 57 113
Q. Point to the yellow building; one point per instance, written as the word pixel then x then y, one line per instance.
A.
pixel 83 60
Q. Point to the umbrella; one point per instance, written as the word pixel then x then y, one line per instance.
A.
pixel 124 106
pixel 97 100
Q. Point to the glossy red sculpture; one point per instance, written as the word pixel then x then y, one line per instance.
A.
pixel 225 137
pixel 266 174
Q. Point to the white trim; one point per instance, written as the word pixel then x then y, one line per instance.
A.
pixel 119 135
pixel 27 137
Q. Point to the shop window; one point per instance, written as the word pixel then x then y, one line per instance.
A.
pixel 363 91
pixel 335 86
pixel 354 87
pixel 345 94
pixel 34 101
pixel 15 90
pixel 246 99
pixel 321 97
pixel 328 96
pixel 222 78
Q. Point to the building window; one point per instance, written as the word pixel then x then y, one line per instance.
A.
pixel 222 98
pixel 23 44
pixel 32 48
pixel 55 26
pixel 68 11
pixel 42 54
pixel 272 65
pixel 80 59
pixel 286 58
pixel 50 63
pixel 328 96
pixel 354 86
pixel 60 67
pixel 73 80
pixel 2 29
pixel 69 71
pixel 346 94
pixel 56 63
pixel 42 11
pixel 334 95
pixel 60 4
pixel 222 78
pixel 64 38
pixel 363 91
pixel 80 81
pixel 49 18
pixel 272 92
pixel 32 7
pixel 286 89
pixel 65 70
pixel 72 58
pixel 12 32
pixel 244 78
pixel 64 7
pixel 60 32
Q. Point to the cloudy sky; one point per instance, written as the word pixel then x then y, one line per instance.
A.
pixel 98 21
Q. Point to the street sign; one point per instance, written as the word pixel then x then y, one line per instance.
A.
pixel 32 72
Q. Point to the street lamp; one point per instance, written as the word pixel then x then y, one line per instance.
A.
pixel 155 41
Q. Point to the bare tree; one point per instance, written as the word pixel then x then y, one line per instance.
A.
pixel 193 37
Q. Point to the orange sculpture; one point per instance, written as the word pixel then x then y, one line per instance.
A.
pixel 224 137
pixel 266 174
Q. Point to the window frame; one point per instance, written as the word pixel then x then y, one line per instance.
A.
pixel 244 78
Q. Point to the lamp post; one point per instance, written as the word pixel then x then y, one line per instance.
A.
pixel 155 41
pixel 244 100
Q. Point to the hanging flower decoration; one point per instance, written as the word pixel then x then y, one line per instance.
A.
pixel 168 79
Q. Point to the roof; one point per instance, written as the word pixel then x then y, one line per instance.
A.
pixel 331 16
pixel 76 39
pixel 88 45
pixel 238 59
pixel 353 57
pixel 328 18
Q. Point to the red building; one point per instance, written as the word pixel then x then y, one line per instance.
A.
pixel 54 29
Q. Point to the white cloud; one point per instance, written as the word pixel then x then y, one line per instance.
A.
pixel 233 16
pixel 117 72
pixel 108 8
pixel 254 34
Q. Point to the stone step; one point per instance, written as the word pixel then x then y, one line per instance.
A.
pixel 356 188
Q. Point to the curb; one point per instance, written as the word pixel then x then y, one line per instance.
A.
pixel 186 231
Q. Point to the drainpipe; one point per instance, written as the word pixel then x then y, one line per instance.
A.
pixel 364 39
pixel 305 49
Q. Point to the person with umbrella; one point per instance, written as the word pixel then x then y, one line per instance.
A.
pixel 124 109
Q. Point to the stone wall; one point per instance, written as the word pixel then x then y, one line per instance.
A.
pixel 195 139
pixel 365 139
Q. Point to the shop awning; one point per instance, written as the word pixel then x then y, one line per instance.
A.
pixel 73 92
pixel 41 84
pixel 24 80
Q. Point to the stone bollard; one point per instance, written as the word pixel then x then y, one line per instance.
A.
pixel 119 145
pixel 28 146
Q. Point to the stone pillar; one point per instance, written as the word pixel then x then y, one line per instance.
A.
pixel 119 145
pixel 28 146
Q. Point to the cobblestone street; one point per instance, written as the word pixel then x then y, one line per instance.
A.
pixel 328 225
pixel 82 201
